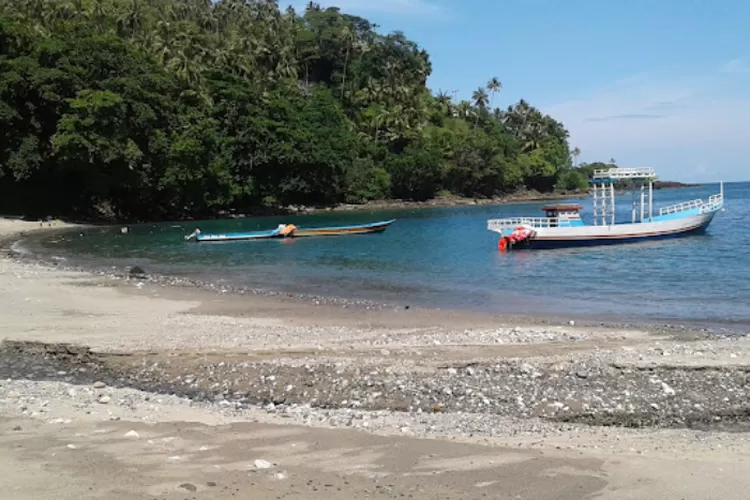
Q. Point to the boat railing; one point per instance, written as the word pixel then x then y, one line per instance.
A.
pixel 536 222
pixel 715 202
pixel 680 207
pixel 625 173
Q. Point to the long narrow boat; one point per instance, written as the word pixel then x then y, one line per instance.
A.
pixel 562 227
pixel 292 231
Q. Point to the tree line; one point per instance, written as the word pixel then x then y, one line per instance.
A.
pixel 153 109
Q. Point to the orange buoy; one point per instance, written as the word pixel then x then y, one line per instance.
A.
pixel 288 229
pixel 502 245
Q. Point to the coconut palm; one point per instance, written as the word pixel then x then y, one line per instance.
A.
pixel 131 18
pixel 465 110
pixel 443 100
pixel 493 87
pixel 349 40
pixel 480 98
pixel 575 153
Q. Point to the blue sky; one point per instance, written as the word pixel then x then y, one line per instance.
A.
pixel 661 83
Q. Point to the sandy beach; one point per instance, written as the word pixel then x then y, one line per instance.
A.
pixel 129 389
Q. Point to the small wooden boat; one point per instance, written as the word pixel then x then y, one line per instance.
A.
pixel 292 231
pixel 563 227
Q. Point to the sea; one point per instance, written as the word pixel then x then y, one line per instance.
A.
pixel 446 258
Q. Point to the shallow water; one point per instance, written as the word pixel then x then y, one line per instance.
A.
pixel 445 257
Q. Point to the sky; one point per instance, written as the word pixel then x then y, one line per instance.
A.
pixel 650 83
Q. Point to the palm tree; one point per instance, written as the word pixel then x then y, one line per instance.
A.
pixel 378 120
pixel 348 38
pixel 443 97
pixel 443 100
pixel 480 98
pixel 163 39
pixel 533 138
pixel 131 18
pixel 188 57
pixel 518 117
pixel 575 153
pixel 493 87
pixel 99 13
pixel 70 11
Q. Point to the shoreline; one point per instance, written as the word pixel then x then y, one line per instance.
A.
pixel 122 276
pixel 457 201
pixel 450 201
pixel 292 210
pixel 95 370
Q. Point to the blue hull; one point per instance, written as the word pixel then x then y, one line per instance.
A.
pixel 258 235
pixel 375 227
pixel 589 242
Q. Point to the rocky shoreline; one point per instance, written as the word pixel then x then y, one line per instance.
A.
pixel 446 202
pixel 374 205
pixel 589 389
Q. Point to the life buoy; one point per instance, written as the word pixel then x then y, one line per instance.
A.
pixel 521 233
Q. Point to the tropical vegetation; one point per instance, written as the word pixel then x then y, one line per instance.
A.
pixel 152 109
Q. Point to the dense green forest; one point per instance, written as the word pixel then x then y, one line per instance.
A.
pixel 152 109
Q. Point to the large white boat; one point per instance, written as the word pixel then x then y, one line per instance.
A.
pixel 563 226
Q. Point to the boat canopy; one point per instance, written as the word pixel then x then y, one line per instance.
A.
pixel 562 208
pixel 618 174
pixel 557 210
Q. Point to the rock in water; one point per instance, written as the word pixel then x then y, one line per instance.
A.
pixel 190 487
pixel 132 434
pixel 262 464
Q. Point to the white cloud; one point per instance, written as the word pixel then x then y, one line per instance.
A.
pixel 735 66
pixel 380 6
pixel 686 128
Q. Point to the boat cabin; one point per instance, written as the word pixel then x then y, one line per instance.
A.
pixel 564 215
pixel 562 210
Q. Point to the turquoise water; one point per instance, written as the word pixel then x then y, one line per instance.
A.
pixel 445 257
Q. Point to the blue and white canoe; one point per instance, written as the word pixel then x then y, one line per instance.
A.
pixel 292 231
pixel 563 227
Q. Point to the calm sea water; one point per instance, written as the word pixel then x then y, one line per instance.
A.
pixel 446 258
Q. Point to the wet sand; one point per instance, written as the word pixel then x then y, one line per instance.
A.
pixel 385 403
